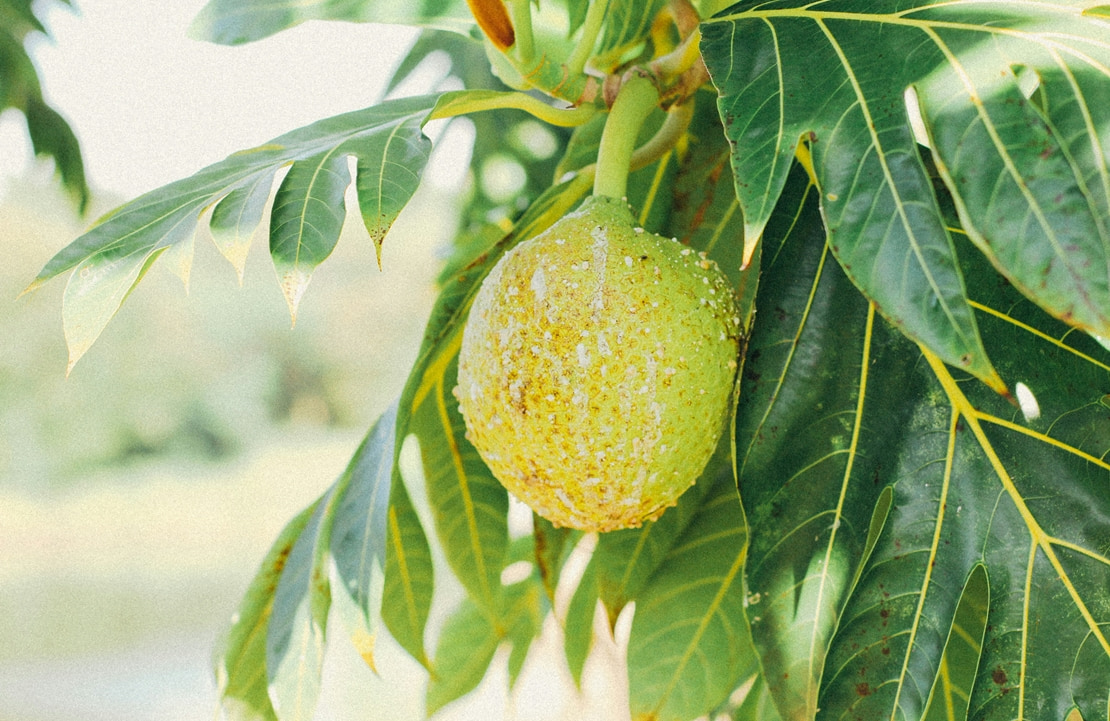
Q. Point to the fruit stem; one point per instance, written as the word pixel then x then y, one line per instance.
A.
pixel 635 101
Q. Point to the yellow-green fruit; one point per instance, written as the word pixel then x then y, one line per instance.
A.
pixel 597 369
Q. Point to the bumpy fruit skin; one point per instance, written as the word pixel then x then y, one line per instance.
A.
pixel 597 369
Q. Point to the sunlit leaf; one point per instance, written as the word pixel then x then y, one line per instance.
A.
pixel 469 640
pixel 359 527
pixel 756 703
pixel 690 643
pixel 409 578
pixel 241 659
pixel 627 23
pixel 550 546
pixel 109 259
pixel 233 22
pixel 295 636
pixel 236 218
pixel 952 690
pixel 469 505
pixel 466 647
pixel 578 626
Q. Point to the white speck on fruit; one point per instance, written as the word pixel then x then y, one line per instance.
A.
pixel 539 285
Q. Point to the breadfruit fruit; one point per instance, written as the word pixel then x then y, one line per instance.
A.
pixel 597 369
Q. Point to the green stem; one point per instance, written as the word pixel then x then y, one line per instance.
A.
pixel 679 60
pixel 591 28
pixel 521 11
pixel 635 101
pixel 463 102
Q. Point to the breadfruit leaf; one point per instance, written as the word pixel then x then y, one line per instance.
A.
pixel 110 258
pixel 690 643
pixel 1013 102
pixel 359 528
pixel 852 616
pixel 295 635
pixel 241 657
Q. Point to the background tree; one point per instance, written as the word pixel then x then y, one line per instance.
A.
pixel 912 203
pixel 20 89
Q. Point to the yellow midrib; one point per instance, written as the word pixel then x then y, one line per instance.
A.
pixel 1041 540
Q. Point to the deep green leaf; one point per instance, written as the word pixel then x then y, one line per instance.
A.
pixel 241 658
pixel 835 78
pixel 796 456
pixel 233 22
pixel 109 259
pixel 359 528
pixel 52 136
pixel 1031 180
pixel 837 406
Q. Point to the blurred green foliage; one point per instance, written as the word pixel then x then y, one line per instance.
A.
pixel 200 376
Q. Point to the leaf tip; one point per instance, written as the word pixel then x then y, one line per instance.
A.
pixel 75 354
pixel 364 644
pixel 294 282
pixel 753 233
pixel 31 288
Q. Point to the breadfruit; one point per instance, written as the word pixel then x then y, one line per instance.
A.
pixel 597 369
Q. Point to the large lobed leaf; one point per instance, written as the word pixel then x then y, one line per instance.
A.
pixel 1028 171
pixel 390 152
pixel 877 482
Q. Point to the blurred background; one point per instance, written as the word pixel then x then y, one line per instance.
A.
pixel 138 495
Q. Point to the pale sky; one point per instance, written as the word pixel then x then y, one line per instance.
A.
pixel 151 106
